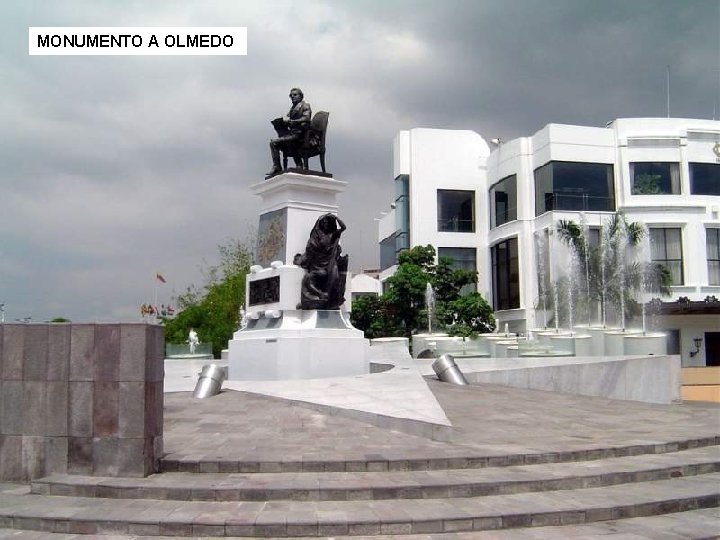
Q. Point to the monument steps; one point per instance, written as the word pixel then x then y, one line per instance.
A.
pixel 341 486
pixel 699 524
pixel 82 515
pixel 470 460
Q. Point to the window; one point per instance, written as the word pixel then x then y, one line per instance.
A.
pixel 503 201
pixel 655 178
pixel 705 178
pixel 506 277
pixel 666 249
pixel 463 259
pixel 566 185
pixel 673 340
pixel 402 213
pixel 456 210
pixel 388 256
pixel 712 248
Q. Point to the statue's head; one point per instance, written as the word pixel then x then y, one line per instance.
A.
pixel 296 95
pixel 327 223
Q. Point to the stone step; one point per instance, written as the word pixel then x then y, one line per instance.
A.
pixel 80 515
pixel 472 459
pixel 696 524
pixel 325 486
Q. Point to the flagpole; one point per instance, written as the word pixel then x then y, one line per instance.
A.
pixel 156 297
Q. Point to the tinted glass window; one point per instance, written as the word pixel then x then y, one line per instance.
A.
pixel 566 185
pixel 503 201
pixel 655 178
pixel 506 278
pixel 712 242
pixel 666 249
pixel 456 210
pixel 705 178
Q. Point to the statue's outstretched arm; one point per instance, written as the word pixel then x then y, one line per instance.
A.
pixel 340 223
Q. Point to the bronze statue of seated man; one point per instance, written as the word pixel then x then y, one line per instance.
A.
pixel 291 131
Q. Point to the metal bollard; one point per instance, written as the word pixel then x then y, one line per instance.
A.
pixel 447 370
pixel 210 381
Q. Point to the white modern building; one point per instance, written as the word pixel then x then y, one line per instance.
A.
pixel 487 209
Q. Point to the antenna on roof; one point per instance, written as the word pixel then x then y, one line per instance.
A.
pixel 668 90
pixel 716 98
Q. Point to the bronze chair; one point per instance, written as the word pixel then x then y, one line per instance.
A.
pixel 312 145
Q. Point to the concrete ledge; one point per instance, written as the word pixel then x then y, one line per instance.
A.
pixel 650 379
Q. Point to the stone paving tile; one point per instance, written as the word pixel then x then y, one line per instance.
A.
pixel 488 420
pixel 495 416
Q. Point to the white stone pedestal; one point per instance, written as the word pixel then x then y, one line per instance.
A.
pixel 297 344
pixel 291 204
pixel 281 341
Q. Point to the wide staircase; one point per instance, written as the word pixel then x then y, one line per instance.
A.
pixel 423 489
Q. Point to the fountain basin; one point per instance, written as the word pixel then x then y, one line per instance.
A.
pixel 615 341
pixel 420 342
pixel 648 343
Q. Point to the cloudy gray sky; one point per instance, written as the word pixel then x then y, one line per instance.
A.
pixel 114 168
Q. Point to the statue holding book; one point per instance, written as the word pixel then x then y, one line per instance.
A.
pixel 300 135
pixel 291 131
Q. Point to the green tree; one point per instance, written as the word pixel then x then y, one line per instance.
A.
pixel 401 310
pixel 213 311
pixel 375 316
pixel 469 315
pixel 405 294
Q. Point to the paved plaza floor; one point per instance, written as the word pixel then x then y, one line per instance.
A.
pixel 488 424
pixel 486 419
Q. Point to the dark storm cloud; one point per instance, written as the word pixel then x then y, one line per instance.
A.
pixel 115 168
pixel 517 65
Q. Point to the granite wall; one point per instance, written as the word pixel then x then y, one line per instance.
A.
pixel 80 398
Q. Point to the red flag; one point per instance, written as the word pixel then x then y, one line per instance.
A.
pixel 160 278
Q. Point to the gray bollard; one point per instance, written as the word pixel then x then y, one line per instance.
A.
pixel 211 378
pixel 447 370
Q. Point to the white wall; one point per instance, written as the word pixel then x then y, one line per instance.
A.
pixel 362 283
pixel 441 159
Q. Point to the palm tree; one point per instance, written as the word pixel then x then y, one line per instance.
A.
pixel 612 275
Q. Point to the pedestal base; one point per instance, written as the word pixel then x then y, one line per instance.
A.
pixel 297 344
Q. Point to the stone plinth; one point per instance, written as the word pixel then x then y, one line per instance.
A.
pixel 280 340
pixel 80 398
pixel 297 344
pixel 290 205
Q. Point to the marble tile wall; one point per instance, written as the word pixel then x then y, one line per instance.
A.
pixel 80 398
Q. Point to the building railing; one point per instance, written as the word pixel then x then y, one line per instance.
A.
pixel 456 225
pixel 578 201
